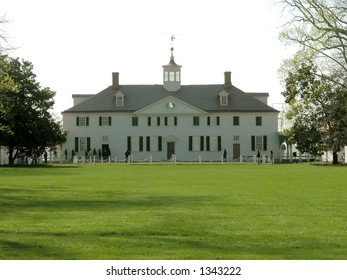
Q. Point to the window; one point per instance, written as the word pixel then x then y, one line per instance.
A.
pixel 135 143
pixel 170 121
pixel 259 143
pixel 119 99
pixel 213 120
pixel 236 138
pixel 172 76
pixel 258 121
pixel 196 143
pixel 82 121
pixel 196 121
pixel 104 139
pixel 105 121
pixel 177 76
pixel 236 120
pixel 82 144
pixel 224 98
pixel 153 143
pixel 166 76
pixel 135 121
pixel 213 143
pixel 153 121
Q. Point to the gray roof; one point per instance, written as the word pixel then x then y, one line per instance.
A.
pixel 205 97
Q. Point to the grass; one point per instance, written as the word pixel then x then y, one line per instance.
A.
pixel 210 211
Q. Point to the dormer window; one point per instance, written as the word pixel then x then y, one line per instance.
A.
pixel 224 98
pixel 119 96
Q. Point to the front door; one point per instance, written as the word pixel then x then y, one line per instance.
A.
pixel 170 149
pixel 105 151
pixel 236 150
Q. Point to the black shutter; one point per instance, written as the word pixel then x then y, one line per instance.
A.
pixel 109 121
pixel 265 143
pixel 148 143
pixel 158 121
pixel 129 143
pixel 87 121
pixel 77 121
pixel 190 143
pixel 88 144
pixel 219 143
pixel 160 143
pixel 175 121
pixel 100 121
pixel 141 143
pixel 201 143
pixel 208 120
pixel 165 121
pixel 218 120
pixel 207 143
pixel 253 143
pixel 76 144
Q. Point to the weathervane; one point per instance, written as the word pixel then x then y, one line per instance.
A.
pixel 172 39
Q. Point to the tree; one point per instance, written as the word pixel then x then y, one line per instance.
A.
pixel 4 45
pixel 5 80
pixel 319 26
pixel 315 81
pixel 27 113
pixel 317 108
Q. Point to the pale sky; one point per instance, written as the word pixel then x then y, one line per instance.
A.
pixel 75 45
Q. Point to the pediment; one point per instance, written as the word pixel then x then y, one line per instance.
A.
pixel 170 106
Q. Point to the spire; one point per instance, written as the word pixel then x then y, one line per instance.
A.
pixel 172 72
pixel 172 59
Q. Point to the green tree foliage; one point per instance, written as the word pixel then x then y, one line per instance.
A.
pixel 315 79
pixel 27 112
pixel 317 108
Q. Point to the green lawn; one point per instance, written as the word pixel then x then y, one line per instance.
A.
pixel 208 211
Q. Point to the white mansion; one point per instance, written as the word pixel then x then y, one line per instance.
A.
pixel 188 121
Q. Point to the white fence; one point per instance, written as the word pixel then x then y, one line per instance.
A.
pixel 264 159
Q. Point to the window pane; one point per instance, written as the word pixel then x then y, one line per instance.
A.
pixel 83 144
pixel 82 121
pixel 135 121
pixel 259 143
pixel 258 121
pixel 196 143
pixel 172 76
pixel 119 101
pixel 195 121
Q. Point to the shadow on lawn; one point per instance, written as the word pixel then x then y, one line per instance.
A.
pixel 166 244
pixel 14 203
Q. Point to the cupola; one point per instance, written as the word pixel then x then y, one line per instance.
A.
pixel 172 74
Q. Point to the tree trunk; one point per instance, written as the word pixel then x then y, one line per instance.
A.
pixel 11 158
pixel 335 158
